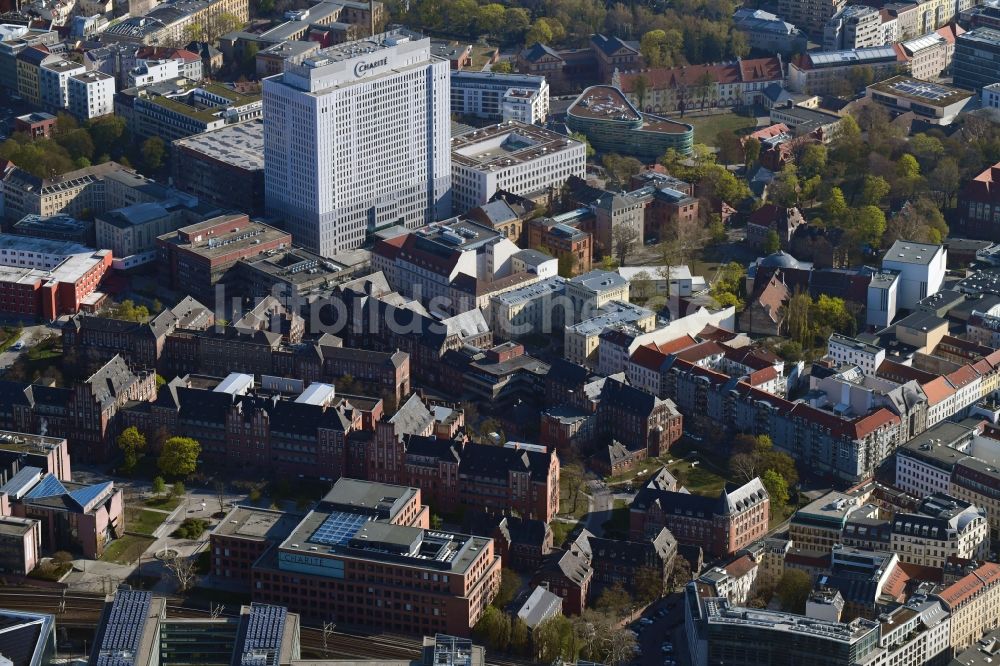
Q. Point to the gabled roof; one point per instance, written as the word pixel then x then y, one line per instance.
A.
pixel 539 51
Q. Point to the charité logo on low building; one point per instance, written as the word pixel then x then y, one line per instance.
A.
pixel 363 67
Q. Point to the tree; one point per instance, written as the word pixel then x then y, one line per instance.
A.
pixel 178 489
pixel 773 242
pixel 567 264
pixel 493 629
pixel 132 443
pixel 730 148
pixel 793 589
pixel 659 47
pixel 490 19
pixel 184 570
pixel 907 167
pixel 179 456
pixel 785 188
pixel 776 488
pixel 648 585
pixel 77 143
pixel 510 583
pixel 553 639
pixel 520 637
pixel 797 318
pixel 920 220
pixel 545 31
pixel 614 600
pixel 946 179
pixel 743 466
pixel 813 160
pixel 874 190
pixel 703 86
pixel 623 239
pixel 835 206
pixel 582 138
pixel 621 168
pixel 220 494
pixel 516 21
pixel 719 182
pixel 641 89
pixel 159 485
pixel 573 480
pixel 868 225
pixel 751 151
pixel 680 575
pixel 153 150
pixel 502 67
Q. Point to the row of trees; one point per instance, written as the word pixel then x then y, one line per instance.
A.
pixel 178 456
pixel 75 146
pixel 691 31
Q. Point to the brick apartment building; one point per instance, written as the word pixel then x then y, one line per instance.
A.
pixel 362 557
pixel 85 414
pixel 590 412
pixel 452 473
pixel 306 434
pixel 262 352
pixel 91 341
pixel 719 525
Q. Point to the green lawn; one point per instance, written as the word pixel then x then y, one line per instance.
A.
pixel 165 503
pixel 126 549
pixel 560 531
pixel 706 128
pixel 8 336
pixel 145 521
pixel 566 507
pixel 697 478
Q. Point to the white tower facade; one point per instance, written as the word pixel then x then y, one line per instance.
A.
pixel 357 139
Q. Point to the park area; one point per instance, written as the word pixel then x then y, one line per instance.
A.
pixel 706 128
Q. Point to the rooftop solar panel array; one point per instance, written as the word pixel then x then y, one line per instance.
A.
pixel 922 90
pixel 123 631
pixel 265 628
pixel 339 528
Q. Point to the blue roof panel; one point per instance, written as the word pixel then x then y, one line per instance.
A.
pixel 50 486
pixel 84 496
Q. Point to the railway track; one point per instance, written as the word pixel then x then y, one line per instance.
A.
pixel 83 610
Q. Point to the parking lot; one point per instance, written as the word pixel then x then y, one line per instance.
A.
pixel 661 634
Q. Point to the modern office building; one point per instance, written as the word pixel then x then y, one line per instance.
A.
pixel 613 124
pixel 224 166
pixel 921 269
pixel 976 62
pixel 135 629
pixel 500 97
pixel 363 556
pixel 29 638
pixel 46 279
pixel 356 140
pixel 934 103
pixel 514 157
pixel 853 27
pixel 825 71
pixel 90 95
pixel 177 108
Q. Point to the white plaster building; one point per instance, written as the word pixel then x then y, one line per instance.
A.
pixel 921 270
pixel 521 159
pixel 91 95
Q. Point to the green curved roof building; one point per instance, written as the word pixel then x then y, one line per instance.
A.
pixel 613 124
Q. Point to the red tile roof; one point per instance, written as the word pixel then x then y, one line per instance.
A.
pixel 967 587
pixel 937 390
pixel 745 71
pixel 648 357
pixel 701 351
pixel 768 374
pixel 984 188
pixel 739 567
pixel 962 377
pixel 770 131
pixel 677 344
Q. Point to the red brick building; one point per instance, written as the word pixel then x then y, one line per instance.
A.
pixel 979 205
pixel 43 279
pixel 196 257
pixel 719 525
pixel 363 557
